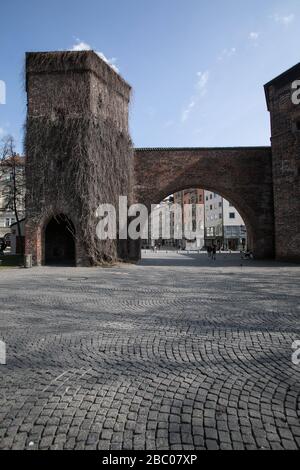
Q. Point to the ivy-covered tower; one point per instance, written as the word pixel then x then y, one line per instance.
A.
pixel 79 155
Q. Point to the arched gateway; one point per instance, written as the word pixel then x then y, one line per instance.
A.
pixel 241 175
pixel 79 155
pixel 60 241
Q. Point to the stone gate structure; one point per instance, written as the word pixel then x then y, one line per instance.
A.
pixel 241 175
pixel 285 130
pixel 79 155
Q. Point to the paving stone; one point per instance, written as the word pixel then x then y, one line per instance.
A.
pixel 170 354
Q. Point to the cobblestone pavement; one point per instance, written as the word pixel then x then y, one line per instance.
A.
pixel 176 353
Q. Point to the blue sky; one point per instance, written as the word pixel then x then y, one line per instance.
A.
pixel 197 67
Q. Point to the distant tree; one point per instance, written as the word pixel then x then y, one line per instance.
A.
pixel 12 174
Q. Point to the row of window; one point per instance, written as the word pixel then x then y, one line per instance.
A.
pixel 211 207
pixel 229 231
pixel 214 196
pixel 7 222
pixel 215 217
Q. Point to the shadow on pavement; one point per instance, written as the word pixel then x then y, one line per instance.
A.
pixel 174 259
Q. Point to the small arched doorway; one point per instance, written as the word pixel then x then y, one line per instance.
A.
pixel 60 242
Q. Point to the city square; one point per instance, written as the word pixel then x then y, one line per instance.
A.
pixel 178 352
pixel 149 230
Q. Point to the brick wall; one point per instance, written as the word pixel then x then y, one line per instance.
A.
pixel 285 124
pixel 241 175
pixel 78 148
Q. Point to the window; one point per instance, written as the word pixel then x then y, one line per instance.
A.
pixel 211 207
pixel 232 215
pixel 7 222
pixel 220 204
pixel 220 216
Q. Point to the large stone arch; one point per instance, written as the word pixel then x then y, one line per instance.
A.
pixel 241 175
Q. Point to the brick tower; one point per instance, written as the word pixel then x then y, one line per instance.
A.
pixel 79 155
pixel 285 124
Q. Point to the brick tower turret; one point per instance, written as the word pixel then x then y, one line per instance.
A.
pixel 285 123
pixel 79 155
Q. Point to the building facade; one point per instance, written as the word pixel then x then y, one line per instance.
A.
pixel 284 107
pixel 7 213
pixel 192 205
pixel 179 230
pixel 224 225
pixel 17 241
pixel 161 228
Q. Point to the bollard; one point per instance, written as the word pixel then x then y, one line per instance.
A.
pixel 28 261
pixel 2 353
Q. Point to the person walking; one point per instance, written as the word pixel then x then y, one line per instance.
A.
pixel 214 252
pixel 2 247
pixel 209 251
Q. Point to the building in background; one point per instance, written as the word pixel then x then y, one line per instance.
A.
pixel 162 227
pixel 193 219
pixel 7 214
pixel 17 242
pixel 191 202
pixel 223 224
pixel 210 219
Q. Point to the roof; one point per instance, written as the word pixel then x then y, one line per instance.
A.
pixel 20 159
pixel 68 61
pixel 286 77
pixel 195 149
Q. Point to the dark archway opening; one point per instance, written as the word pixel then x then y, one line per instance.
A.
pixel 60 242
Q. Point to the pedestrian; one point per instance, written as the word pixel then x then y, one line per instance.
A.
pixel 2 247
pixel 214 252
pixel 209 251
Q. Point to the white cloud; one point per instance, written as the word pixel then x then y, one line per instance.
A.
pixel 111 62
pixel 186 112
pixel 227 53
pixel 202 82
pixel 253 36
pixel 201 90
pixel 286 20
pixel 83 46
